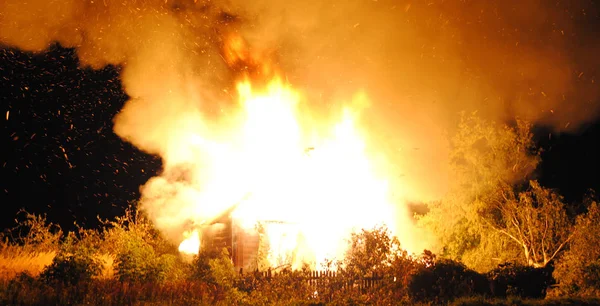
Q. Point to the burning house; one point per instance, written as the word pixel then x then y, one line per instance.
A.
pixel 293 173
pixel 225 233
pixel 275 241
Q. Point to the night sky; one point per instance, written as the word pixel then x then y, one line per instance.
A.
pixel 60 155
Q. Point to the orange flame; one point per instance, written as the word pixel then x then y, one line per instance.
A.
pixel 240 58
pixel 314 179
pixel 191 244
pixel 319 181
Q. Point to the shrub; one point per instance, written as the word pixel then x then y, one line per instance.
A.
pixel 33 233
pixel 444 280
pixel 141 253
pixel 371 251
pixel 215 268
pixel 285 288
pixel 201 264
pixel 76 261
pixel 138 262
pixel 591 275
pixel 71 269
pixel 519 280
pixel 577 269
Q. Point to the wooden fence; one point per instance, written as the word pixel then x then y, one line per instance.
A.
pixel 319 279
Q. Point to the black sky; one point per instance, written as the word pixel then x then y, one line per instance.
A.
pixel 60 155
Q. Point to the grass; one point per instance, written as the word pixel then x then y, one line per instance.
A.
pixel 26 291
pixel 15 262
pixel 19 285
pixel 514 301
pixel 157 276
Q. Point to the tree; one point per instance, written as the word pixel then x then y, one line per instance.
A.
pixel 486 154
pixel 485 157
pixel 371 251
pixel 140 252
pixel 374 253
pixel 577 271
pixel 536 220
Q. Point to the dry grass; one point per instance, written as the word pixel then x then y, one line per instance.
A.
pixel 107 262
pixel 109 292
pixel 15 261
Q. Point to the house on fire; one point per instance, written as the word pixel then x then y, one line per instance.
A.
pixel 223 232
pixel 243 244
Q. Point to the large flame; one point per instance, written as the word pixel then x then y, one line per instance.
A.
pixel 191 243
pixel 314 178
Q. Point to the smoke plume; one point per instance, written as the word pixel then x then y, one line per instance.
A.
pixel 420 63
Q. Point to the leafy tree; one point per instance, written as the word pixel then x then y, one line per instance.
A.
pixel 485 157
pixel 536 220
pixel 371 251
pixel 76 262
pixel 72 269
pixel 133 224
pixel 578 269
pixel 374 254
pixel 141 254
pixel 138 262
pixel 485 154
pixel 488 215
pixel 215 267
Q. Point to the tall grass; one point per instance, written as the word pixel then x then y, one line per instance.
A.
pixel 514 301
pixel 14 262
pixel 29 291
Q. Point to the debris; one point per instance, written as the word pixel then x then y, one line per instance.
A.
pixel 66 157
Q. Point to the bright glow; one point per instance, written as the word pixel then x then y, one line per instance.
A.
pixel 191 244
pixel 314 179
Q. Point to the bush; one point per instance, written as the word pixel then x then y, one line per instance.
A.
pixel 577 269
pixel 285 288
pixel 33 233
pixel 371 251
pixel 445 280
pixel 71 269
pixel 214 267
pixel 141 253
pixel 201 264
pixel 591 275
pixel 374 254
pixel 138 262
pixel 521 281
pixel 76 262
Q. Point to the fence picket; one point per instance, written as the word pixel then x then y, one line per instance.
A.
pixel 319 279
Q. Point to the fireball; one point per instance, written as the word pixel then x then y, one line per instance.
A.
pixel 308 182
pixel 317 181
pixel 191 244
